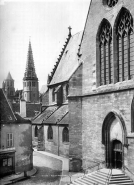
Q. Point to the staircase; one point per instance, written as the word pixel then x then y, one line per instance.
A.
pixel 101 178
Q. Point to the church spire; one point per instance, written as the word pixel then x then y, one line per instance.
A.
pixel 30 68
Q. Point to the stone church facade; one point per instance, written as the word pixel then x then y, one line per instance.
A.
pixel 101 97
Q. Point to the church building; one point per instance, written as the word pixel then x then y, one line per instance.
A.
pixel 101 103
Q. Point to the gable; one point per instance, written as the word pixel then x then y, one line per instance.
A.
pixel 69 60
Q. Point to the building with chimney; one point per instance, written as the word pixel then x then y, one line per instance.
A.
pixel 16 153
pixel 51 126
pixel 30 80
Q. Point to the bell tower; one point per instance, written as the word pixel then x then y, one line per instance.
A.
pixel 30 80
pixel 8 87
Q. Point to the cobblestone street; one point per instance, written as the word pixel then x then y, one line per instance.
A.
pixel 48 171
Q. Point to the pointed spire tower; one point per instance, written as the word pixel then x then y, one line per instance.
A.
pixel 8 87
pixel 30 80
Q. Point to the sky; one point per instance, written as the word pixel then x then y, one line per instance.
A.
pixel 45 23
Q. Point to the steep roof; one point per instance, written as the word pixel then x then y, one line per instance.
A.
pixel 45 114
pixel 58 115
pixel 6 113
pixel 69 60
pixel 9 77
pixel 30 68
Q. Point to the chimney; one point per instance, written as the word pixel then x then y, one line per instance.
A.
pixel 23 108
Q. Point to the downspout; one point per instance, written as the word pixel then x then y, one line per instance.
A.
pixel 58 141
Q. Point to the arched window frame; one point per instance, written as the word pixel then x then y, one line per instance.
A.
pixel 36 131
pixel 50 133
pixel 104 55
pixel 132 116
pixel 123 49
pixel 65 135
pixel 110 3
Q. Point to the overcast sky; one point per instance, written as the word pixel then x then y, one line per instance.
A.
pixel 46 22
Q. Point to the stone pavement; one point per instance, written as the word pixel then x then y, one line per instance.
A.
pixel 16 177
pixel 66 176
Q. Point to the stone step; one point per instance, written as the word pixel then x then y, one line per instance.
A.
pixel 128 183
pixel 96 178
pixel 100 177
pixel 92 180
pixel 84 182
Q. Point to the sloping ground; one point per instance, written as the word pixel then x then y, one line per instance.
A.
pixel 48 171
pixel 101 178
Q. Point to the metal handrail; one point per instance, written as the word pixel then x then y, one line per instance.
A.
pixel 124 167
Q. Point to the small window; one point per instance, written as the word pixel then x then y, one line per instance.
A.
pixel 65 135
pixel 67 90
pixel 50 133
pixel 36 131
pixel 11 93
pixel 53 94
pixel 33 84
pixel 10 140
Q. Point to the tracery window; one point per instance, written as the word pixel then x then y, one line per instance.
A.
pixel 105 47
pixel 125 46
pixel 112 3
pixel 65 135
pixel 50 133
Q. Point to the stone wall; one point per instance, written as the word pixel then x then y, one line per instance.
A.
pixel 56 146
pixel 22 142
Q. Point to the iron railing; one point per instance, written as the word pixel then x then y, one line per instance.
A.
pixel 126 168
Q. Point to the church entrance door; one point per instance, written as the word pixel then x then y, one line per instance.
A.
pixel 117 154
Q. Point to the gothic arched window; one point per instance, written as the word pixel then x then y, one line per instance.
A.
pixel 112 3
pixel 50 133
pixel 65 135
pixel 105 53
pixel 36 131
pixel 132 116
pixel 125 46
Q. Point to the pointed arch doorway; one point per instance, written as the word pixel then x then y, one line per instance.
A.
pixel 114 140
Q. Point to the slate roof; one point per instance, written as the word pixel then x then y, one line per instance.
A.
pixel 6 113
pixel 58 115
pixel 69 61
pixel 53 115
pixel 45 114
pixel 9 77
pixel 64 120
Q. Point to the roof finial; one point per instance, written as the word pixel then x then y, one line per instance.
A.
pixel 69 30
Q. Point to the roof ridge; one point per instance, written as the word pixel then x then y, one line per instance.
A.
pixel 60 56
